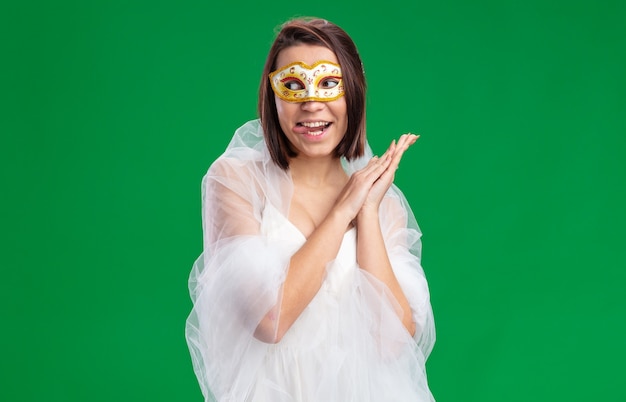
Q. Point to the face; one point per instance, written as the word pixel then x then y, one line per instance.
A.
pixel 316 126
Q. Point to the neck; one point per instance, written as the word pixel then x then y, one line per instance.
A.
pixel 316 172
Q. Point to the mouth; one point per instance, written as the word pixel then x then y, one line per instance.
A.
pixel 313 128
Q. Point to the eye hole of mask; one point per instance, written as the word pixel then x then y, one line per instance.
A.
pixel 293 84
pixel 330 82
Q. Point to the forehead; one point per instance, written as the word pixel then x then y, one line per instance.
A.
pixel 308 54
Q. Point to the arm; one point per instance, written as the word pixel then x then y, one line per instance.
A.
pixel 371 250
pixel 307 268
pixel 372 256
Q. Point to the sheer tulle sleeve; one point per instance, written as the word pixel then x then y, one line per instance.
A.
pixel 403 242
pixel 237 279
pixel 402 239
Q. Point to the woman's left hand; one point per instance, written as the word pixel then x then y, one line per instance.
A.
pixel 382 184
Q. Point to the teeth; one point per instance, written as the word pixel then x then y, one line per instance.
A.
pixel 315 124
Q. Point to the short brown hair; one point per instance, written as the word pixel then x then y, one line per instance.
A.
pixel 315 31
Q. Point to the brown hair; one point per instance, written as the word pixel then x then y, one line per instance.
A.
pixel 315 31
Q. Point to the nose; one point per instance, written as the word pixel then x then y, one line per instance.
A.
pixel 312 106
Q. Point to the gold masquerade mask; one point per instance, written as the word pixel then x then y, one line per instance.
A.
pixel 299 82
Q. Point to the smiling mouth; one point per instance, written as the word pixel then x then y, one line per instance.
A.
pixel 314 127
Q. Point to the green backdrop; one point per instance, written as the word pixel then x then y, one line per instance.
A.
pixel 113 110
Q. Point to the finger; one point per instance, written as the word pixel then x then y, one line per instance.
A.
pixel 374 162
pixel 406 140
pixel 409 139
pixel 375 167
pixel 402 143
pixel 378 168
pixel 390 150
pixel 393 153
pixel 406 143
pixel 413 138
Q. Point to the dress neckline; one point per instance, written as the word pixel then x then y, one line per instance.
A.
pixel 301 235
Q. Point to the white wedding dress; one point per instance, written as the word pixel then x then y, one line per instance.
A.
pixel 348 345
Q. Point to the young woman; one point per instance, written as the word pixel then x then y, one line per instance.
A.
pixel 309 287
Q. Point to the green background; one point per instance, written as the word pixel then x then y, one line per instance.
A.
pixel 113 110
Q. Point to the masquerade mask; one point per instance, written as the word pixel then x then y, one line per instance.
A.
pixel 299 82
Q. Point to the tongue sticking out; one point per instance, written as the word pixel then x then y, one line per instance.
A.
pixel 301 129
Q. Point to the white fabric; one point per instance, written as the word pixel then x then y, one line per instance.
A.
pixel 348 345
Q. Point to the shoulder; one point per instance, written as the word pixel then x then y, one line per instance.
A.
pixel 246 166
pixel 244 154
pixel 249 137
